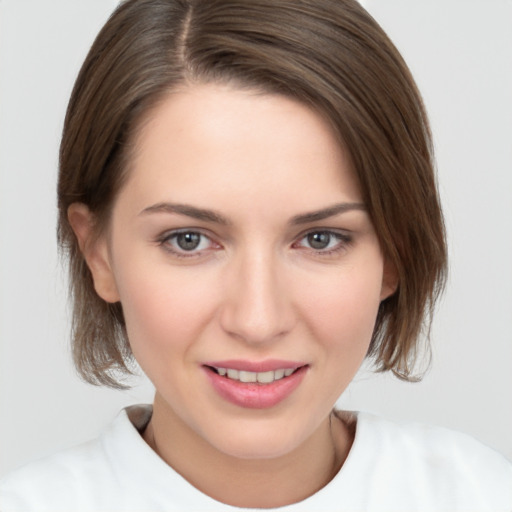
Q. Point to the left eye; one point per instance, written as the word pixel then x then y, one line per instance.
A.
pixel 322 240
pixel 188 241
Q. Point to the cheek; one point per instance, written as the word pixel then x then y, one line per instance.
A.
pixel 164 310
pixel 342 310
pixel 341 316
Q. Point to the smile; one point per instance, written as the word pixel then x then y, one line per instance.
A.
pixel 255 385
pixel 251 377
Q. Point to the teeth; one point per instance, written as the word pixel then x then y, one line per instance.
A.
pixel 247 376
pixel 279 374
pixel 261 377
pixel 232 374
pixel 266 377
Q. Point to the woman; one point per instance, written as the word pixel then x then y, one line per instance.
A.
pixel 247 197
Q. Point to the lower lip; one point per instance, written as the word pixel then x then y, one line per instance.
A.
pixel 253 395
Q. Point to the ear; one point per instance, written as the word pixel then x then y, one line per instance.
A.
pixel 389 280
pixel 95 251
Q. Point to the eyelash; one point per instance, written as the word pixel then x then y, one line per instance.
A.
pixel 343 240
pixel 166 238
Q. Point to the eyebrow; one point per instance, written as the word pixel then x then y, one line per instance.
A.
pixel 325 213
pixel 185 209
pixel 212 216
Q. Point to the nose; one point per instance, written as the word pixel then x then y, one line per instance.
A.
pixel 257 306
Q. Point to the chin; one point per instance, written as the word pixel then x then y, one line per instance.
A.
pixel 255 440
pixel 253 449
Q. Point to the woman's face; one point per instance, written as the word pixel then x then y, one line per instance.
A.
pixel 241 250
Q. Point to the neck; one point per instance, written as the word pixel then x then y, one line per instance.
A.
pixel 253 483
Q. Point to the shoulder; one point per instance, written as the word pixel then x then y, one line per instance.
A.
pixel 58 475
pixel 448 469
pixel 76 477
pixel 426 442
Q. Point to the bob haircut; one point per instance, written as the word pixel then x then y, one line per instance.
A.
pixel 328 54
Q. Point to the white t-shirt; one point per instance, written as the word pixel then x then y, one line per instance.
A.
pixel 390 468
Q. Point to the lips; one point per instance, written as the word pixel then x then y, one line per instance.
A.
pixel 260 377
pixel 255 385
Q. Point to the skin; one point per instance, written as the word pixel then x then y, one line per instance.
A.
pixel 255 288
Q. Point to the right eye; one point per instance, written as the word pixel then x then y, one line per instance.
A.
pixel 186 243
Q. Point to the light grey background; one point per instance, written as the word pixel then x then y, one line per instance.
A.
pixel 461 54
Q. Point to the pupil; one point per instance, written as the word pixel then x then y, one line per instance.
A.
pixel 188 241
pixel 319 240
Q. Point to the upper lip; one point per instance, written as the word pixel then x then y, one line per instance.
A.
pixel 256 366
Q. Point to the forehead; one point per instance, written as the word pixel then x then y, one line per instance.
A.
pixel 207 142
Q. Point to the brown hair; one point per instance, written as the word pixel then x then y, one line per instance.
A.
pixel 329 54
